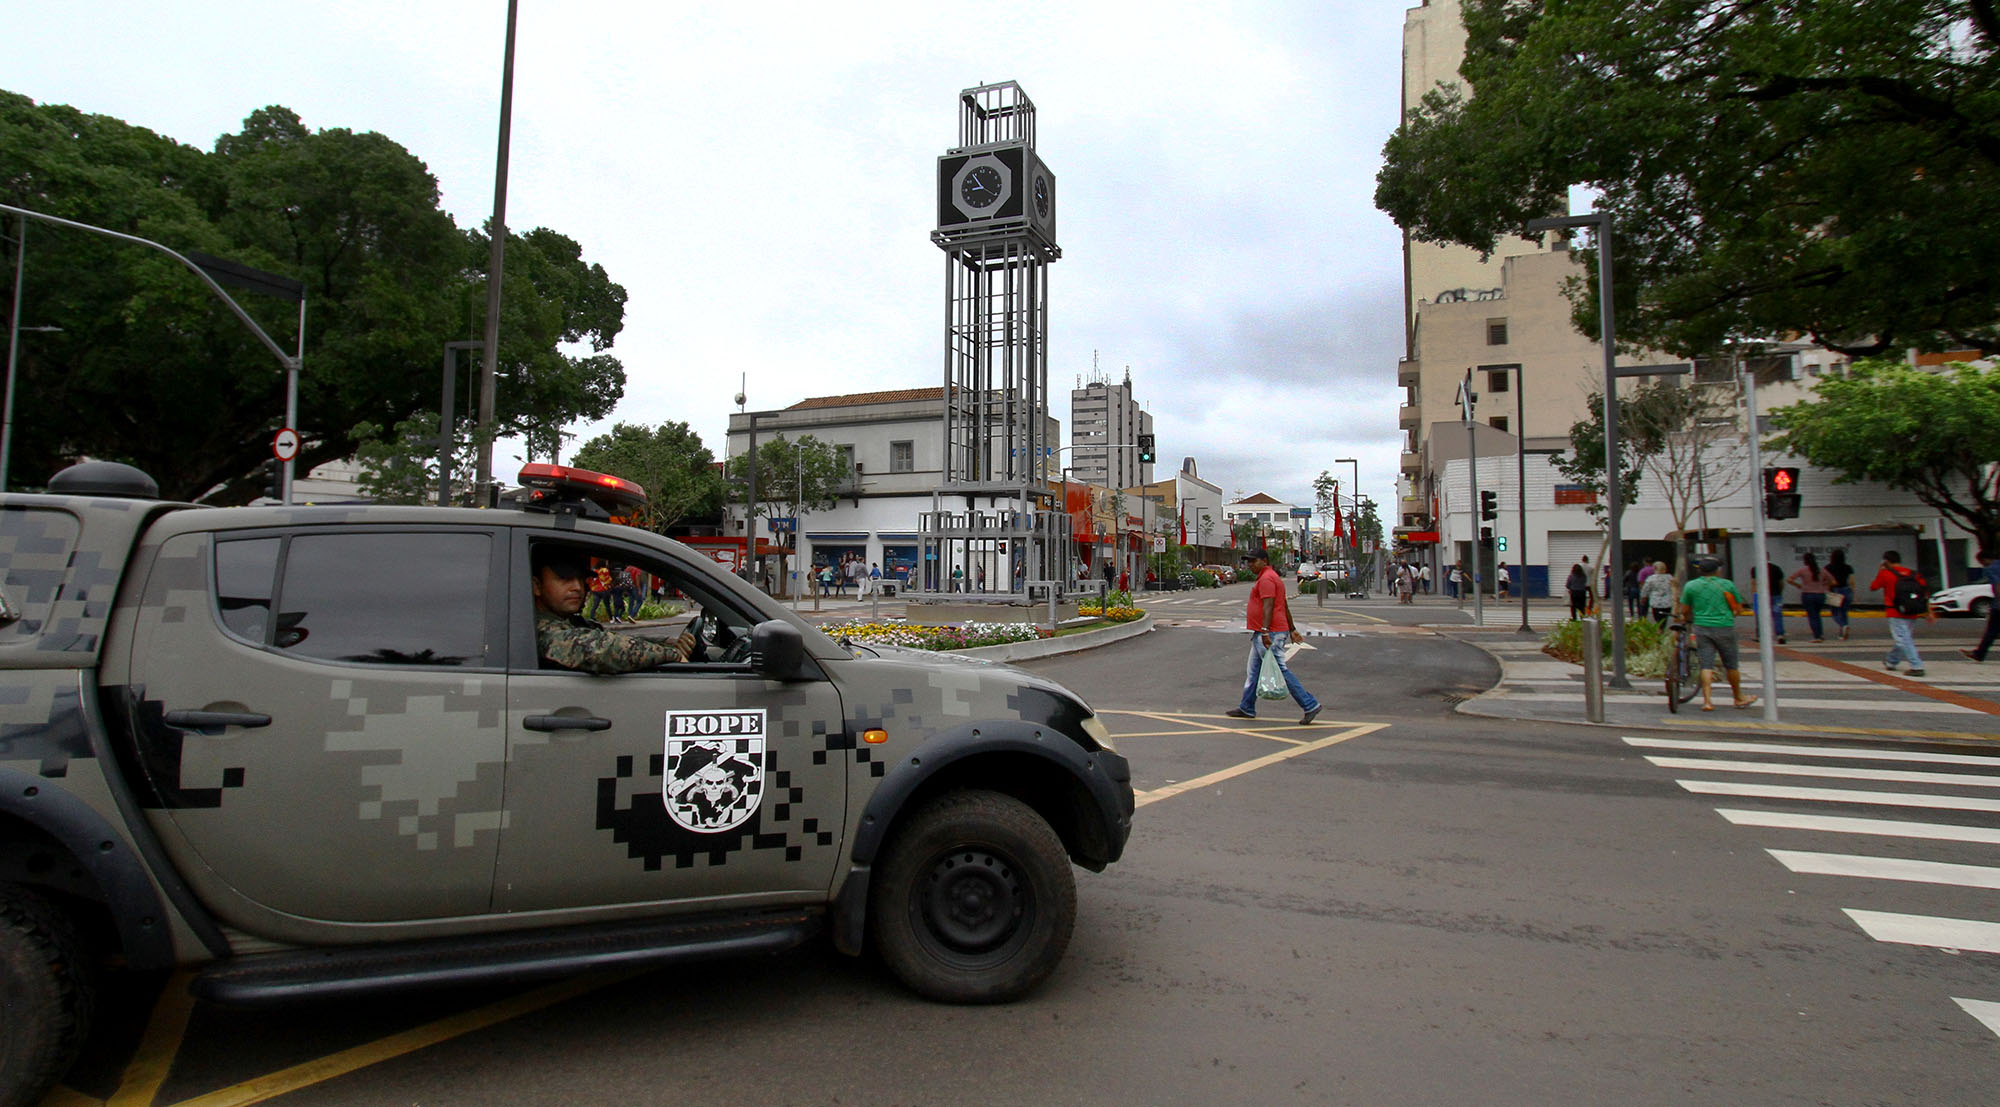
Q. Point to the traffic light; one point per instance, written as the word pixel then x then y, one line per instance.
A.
pixel 1781 495
pixel 274 479
pixel 1485 537
pixel 1489 505
pixel 1500 543
pixel 1146 449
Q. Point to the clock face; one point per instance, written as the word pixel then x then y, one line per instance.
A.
pixel 981 187
pixel 1041 196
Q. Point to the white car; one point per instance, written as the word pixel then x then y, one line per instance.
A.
pixel 1966 599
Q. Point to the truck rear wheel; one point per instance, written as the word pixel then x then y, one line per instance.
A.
pixel 975 900
pixel 45 995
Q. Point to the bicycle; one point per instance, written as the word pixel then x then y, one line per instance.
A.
pixel 1681 682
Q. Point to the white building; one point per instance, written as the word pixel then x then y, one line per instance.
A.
pixel 1104 428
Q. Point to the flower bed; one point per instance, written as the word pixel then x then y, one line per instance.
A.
pixel 937 638
pixel 1117 613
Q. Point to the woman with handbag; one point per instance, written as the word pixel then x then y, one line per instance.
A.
pixel 1813 584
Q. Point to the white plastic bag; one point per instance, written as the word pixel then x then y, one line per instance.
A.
pixel 1270 677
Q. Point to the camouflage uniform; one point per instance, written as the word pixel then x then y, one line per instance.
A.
pixel 577 643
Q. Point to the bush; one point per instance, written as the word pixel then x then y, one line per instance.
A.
pixel 1205 579
pixel 1646 645
pixel 654 609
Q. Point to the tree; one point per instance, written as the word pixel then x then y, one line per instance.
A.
pixel 1584 464
pixel 150 369
pixel 1689 441
pixel 401 467
pixel 669 461
pixel 1827 168
pixel 790 475
pixel 1326 494
pixel 1934 435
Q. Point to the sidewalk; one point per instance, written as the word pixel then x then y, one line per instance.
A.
pixel 1832 689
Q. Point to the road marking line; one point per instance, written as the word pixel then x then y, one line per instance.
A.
pixel 1252 765
pixel 1730 722
pixel 140 1083
pixel 1839 795
pixel 1887 868
pixel 1983 1010
pixel 1970 703
pixel 1850 753
pixel 326 1068
pixel 1772 768
pixel 1928 930
pixel 1886 828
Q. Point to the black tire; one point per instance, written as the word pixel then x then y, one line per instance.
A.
pixel 1981 608
pixel 974 901
pixel 45 996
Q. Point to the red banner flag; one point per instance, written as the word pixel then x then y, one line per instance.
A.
pixel 1183 528
pixel 1338 532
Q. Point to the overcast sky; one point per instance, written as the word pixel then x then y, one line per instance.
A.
pixel 759 177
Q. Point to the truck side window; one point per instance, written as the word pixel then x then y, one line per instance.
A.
pixel 245 572
pixel 391 598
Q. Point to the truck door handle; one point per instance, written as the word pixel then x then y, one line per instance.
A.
pixel 566 722
pixel 212 722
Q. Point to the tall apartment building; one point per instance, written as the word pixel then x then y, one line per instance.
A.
pixel 1104 430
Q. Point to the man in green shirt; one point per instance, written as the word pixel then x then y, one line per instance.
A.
pixel 1710 604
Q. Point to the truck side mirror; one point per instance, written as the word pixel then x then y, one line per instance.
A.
pixel 777 650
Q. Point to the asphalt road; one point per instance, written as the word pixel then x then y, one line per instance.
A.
pixel 1395 905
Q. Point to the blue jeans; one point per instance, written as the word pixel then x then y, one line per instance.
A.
pixel 1902 642
pixel 1846 601
pixel 1814 601
pixel 1278 639
pixel 1777 612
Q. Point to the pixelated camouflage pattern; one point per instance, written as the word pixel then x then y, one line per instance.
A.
pixel 60 565
pixel 575 642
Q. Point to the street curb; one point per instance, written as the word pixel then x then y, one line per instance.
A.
pixel 1053 647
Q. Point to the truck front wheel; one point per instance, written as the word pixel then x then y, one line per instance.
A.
pixel 975 900
pixel 45 996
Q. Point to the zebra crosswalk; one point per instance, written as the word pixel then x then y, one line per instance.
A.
pixel 1939 781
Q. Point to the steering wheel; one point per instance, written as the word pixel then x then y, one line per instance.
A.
pixel 715 641
pixel 706 631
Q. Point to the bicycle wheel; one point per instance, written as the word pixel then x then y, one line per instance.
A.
pixel 1684 653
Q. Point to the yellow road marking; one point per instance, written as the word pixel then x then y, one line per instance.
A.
pixel 1356 614
pixel 1255 763
pixel 158 1047
pixel 348 1060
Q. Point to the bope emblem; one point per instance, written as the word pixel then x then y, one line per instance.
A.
pixel 715 768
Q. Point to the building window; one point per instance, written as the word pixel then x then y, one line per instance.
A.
pixel 902 457
pixel 1574 494
pixel 846 458
pixel 1496 379
pixel 1498 422
pixel 1496 332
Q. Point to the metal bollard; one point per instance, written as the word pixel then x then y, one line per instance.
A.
pixel 1593 671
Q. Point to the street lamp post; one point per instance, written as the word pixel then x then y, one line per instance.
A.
pixel 1521 476
pixel 1606 323
pixel 1353 539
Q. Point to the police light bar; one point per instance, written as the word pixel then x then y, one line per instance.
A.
pixel 568 482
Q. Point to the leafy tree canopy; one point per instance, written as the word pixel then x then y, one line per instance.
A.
pixel 1827 167
pixel 1935 435
pixel 149 368
pixel 669 461
pixel 807 473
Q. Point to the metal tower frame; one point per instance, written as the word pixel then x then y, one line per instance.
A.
pixel 998 455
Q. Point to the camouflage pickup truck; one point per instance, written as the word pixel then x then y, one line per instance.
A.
pixel 317 750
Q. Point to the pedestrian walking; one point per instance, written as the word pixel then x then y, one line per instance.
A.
pixel 1424 578
pixel 1812 583
pixel 1577 584
pixel 1451 581
pixel 1906 597
pixel 1840 596
pixel 1270 624
pixel 1501 580
pixel 1990 567
pixel 1405 583
pixel 1656 593
pixel 1710 605
pixel 1773 596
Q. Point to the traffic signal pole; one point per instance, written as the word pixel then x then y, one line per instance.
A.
pixel 1759 579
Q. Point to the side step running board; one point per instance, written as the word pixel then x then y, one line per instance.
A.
pixel 515 957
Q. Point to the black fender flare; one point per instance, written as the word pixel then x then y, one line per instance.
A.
pixel 1104 775
pixel 111 862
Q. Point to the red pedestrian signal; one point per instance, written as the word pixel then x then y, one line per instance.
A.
pixel 1781 480
pixel 1781 497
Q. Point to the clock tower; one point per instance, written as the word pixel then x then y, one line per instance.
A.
pixel 998 507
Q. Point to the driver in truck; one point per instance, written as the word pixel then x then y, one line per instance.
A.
pixel 567 640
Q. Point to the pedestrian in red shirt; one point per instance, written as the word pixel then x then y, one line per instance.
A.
pixel 1270 622
pixel 1905 599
